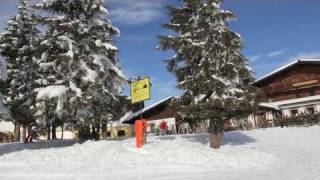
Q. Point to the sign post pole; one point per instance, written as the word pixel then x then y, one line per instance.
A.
pixel 140 91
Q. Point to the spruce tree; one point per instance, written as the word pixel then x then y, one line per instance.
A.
pixel 208 65
pixel 18 49
pixel 85 55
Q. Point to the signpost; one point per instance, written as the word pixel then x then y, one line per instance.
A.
pixel 140 91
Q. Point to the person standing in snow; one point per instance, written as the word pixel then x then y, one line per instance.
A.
pixel 158 130
pixel 163 127
pixel 28 138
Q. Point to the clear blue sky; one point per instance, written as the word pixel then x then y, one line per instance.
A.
pixel 274 32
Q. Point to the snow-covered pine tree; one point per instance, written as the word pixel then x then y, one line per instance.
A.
pixel 92 75
pixel 55 56
pixel 208 65
pixel 18 49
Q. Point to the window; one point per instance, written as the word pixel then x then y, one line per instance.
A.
pixel 294 112
pixel 121 133
pixel 312 93
pixel 153 128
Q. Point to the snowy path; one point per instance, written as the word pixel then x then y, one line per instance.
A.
pixel 289 153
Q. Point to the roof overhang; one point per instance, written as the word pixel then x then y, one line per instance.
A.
pixel 269 106
pixel 132 116
pixel 279 105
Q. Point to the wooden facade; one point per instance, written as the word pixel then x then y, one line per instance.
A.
pixel 163 111
pixel 300 80
pixel 288 92
pixel 155 114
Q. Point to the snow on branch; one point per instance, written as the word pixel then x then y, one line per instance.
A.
pixel 108 46
pixel 51 92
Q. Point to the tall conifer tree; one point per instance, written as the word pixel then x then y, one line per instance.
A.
pixel 208 65
pixel 85 58
pixel 18 44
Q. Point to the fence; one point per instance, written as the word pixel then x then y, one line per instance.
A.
pixel 297 120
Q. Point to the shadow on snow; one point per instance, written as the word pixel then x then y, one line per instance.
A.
pixel 233 138
pixel 14 147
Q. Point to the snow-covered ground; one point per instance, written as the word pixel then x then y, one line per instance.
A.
pixel 270 154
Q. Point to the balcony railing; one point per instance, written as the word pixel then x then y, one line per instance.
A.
pixel 297 120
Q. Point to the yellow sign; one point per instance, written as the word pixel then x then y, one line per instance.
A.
pixel 140 90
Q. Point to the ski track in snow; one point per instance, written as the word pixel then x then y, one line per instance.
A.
pixel 275 153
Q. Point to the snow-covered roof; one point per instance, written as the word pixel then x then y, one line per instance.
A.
pixel 285 67
pixel 292 102
pixel 138 113
pixel 269 105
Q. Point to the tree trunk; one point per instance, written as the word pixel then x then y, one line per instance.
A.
pixel 48 132
pixel 17 134
pixel 95 132
pixel 99 129
pixel 216 133
pixel 54 132
pixel 62 130
pixel 104 130
pixel 24 132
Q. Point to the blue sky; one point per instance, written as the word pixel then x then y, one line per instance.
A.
pixel 274 32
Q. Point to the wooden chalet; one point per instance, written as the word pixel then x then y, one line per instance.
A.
pixel 154 114
pixel 288 92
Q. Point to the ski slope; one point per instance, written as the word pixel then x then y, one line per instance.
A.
pixel 270 154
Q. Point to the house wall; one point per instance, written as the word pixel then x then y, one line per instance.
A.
pixel 300 81
pixel 301 108
pixel 163 113
pixel 6 126
pixel 127 129
pixel 171 123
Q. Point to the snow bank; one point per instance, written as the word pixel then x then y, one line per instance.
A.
pixel 271 154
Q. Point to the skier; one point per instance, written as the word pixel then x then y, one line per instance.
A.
pixel 163 127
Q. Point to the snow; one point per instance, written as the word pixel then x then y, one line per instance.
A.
pixel 70 46
pixel 91 75
pixel 108 46
pixel 199 98
pixel 3 69
pixel 125 116
pixel 47 65
pixel 6 126
pixel 53 92
pixel 269 105
pixel 75 89
pixel 114 68
pixel 4 111
pixel 270 154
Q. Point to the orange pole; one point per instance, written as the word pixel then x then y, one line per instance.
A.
pixel 139 128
